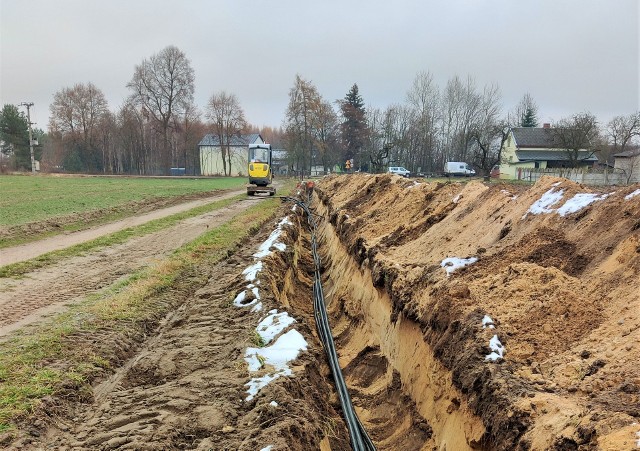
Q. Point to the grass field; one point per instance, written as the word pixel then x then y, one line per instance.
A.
pixel 25 199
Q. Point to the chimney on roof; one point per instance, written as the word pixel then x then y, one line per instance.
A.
pixel 546 125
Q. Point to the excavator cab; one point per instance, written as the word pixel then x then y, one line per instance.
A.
pixel 260 173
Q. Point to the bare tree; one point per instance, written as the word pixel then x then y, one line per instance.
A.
pixel 327 135
pixel 489 131
pixel 423 99
pixel 304 102
pixel 623 130
pixel 228 121
pixel 76 115
pixel 78 111
pixel 164 85
pixel 577 135
pixel 460 106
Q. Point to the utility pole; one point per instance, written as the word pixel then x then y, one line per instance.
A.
pixel 33 158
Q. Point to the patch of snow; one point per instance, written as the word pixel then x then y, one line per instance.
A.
pixel 452 263
pixel 273 404
pixel 251 272
pixel 496 348
pixel 487 322
pixel 238 301
pixel 273 324
pixel 456 199
pixel 551 197
pixel 267 448
pixel 256 292
pixel 508 194
pixel 258 383
pixel 257 307
pixel 556 184
pixel 631 195
pixel 542 205
pixel 272 241
pixel 285 349
pixel 578 202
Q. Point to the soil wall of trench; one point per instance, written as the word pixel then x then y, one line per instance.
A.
pixel 560 293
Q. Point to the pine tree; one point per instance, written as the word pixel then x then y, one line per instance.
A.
pixel 14 136
pixel 529 118
pixel 354 127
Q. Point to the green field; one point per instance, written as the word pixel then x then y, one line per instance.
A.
pixel 25 199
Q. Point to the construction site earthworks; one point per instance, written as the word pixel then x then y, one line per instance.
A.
pixel 464 316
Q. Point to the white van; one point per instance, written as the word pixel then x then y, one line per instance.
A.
pixel 399 170
pixel 458 168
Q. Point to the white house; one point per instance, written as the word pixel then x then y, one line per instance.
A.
pixel 534 147
pixel 211 154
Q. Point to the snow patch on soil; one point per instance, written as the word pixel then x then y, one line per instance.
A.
pixel 578 202
pixel 629 197
pixel 289 344
pixel 273 324
pixel 272 241
pixel 452 263
pixel 278 355
pixel 573 205
pixel 487 322
pixel 542 205
pixel 496 348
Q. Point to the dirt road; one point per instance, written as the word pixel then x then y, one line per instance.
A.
pixel 28 251
pixel 48 290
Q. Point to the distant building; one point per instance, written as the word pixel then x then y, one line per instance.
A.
pixel 211 154
pixel 628 162
pixel 534 147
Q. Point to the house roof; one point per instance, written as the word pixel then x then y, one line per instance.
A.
pixel 628 153
pixel 239 141
pixel 553 155
pixel 534 137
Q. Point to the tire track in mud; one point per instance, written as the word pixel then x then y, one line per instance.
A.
pixel 48 290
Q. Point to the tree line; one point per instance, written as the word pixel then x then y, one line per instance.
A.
pixel 457 122
pixel 158 127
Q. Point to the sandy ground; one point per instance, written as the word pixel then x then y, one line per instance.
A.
pixel 534 345
pixel 537 339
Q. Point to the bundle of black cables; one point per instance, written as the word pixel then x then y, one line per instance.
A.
pixel 360 441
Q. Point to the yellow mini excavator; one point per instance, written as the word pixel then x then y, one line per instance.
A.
pixel 260 173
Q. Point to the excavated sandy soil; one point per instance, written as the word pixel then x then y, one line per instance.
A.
pixel 534 344
pixel 561 294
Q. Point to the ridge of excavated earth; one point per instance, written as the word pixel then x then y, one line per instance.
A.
pixel 563 293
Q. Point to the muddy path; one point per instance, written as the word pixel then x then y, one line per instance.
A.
pixel 48 290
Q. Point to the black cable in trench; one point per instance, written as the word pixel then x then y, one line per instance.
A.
pixel 360 440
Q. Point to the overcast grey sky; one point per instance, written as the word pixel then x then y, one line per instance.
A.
pixel 570 55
